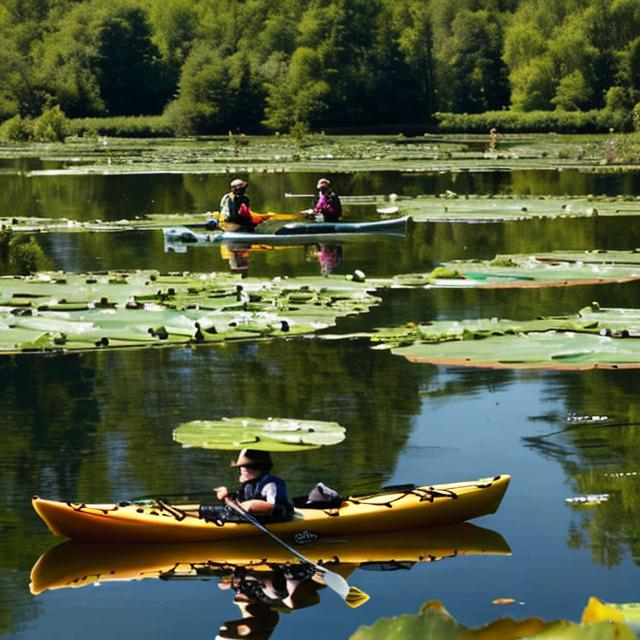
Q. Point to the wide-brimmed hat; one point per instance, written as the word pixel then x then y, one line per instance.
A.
pixel 323 182
pixel 255 457
pixel 238 183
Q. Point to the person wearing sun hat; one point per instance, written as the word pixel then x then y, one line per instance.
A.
pixel 261 493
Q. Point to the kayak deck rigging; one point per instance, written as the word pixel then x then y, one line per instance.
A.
pixel 163 522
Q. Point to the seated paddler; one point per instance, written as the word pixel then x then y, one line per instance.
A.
pixel 328 207
pixel 261 493
pixel 235 209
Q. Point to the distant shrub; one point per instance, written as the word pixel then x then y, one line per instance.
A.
pixel 595 121
pixel 122 127
pixel 51 126
pixel 17 129
pixel 6 235
pixel 187 118
pixel 26 256
pixel 618 99
pixel 635 117
pixel 299 131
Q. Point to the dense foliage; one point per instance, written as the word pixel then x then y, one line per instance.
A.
pixel 240 64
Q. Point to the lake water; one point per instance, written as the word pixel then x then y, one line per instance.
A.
pixel 97 427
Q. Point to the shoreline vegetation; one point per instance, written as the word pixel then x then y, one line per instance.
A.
pixel 144 69
pixel 53 125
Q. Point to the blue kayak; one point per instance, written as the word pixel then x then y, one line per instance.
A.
pixel 290 234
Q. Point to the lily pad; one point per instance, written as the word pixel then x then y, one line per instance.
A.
pixel 272 434
pixel 597 610
pixel 526 271
pixel 551 350
pixel 451 208
pixel 434 621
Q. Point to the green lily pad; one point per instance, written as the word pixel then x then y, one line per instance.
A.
pixel 272 434
pixel 434 621
pixel 506 208
pixel 551 350
pixel 146 308
pixel 518 271
pixel 597 610
pixel 595 337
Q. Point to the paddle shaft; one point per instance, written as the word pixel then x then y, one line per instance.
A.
pixel 351 595
pixel 254 521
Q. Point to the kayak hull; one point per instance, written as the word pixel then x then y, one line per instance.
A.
pixel 432 505
pixel 77 564
pixel 291 234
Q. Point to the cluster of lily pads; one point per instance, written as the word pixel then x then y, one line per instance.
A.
pixel 595 337
pixel 66 312
pixel 314 153
pixel 555 268
pixel 449 207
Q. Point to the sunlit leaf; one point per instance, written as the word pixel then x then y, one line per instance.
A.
pixel 272 434
pixel 434 621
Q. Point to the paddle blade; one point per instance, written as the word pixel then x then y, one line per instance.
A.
pixel 356 597
pixel 353 596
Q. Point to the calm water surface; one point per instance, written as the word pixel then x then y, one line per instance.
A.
pixel 98 426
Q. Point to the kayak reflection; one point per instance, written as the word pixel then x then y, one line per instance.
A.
pixel 264 578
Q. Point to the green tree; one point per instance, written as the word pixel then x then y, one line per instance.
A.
pixel 216 94
pixel 132 79
pixel 471 75
pixel 302 95
pixel 102 61
pixel 414 28
pixel 572 92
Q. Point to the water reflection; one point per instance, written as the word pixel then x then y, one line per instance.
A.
pixel 263 577
pixel 237 255
pixel 598 458
pixel 329 257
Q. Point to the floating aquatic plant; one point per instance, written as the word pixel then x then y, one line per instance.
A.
pixel 271 434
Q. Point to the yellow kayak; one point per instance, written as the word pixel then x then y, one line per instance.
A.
pixel 77 564
pixel 397 509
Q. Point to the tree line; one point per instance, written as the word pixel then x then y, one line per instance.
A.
pixel 214 65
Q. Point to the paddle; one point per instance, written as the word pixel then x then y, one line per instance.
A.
pixel 353 596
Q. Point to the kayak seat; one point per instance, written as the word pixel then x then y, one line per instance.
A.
pixel 303 502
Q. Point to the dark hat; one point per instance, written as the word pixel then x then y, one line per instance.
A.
pixel 253 457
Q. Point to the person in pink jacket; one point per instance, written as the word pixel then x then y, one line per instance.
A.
pixel 328 207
